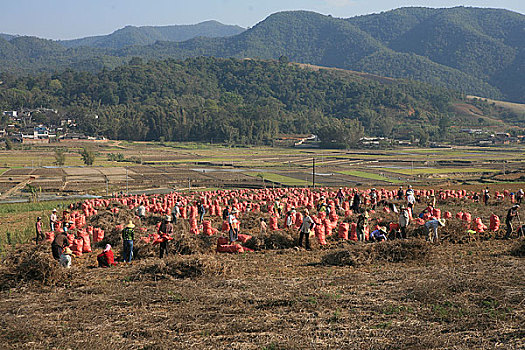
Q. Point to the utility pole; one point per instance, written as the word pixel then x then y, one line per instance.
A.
pixel 127 187
pixel 313 172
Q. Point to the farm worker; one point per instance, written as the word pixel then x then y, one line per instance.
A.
pixel 201 210
pixel 379 234
pixel 128 235
pixel 400 193
pixel 263 225
pixel 356 202
pixel 106 258
pixel 304 231
pixel 59 243
pixel 486 195
pixel 234 226
pixel 290 218
pixel 340 196
pixel 165 231
pixel 362 224
pixel 373 198
pixel 511 214
pixel 175 213
pixel 432 228
pixel 65 258
pixel 278 207
pixel 475 197
pixel 65 215
pixel 53 219
pixel 519 196
pixel 66 227
pixel 411 199
pixel 404 221
pixel 226 213
pixel 39 230
pixel 141 210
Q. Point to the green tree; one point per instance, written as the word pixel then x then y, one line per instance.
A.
pixel 8 144
pixel 88 156
pixel 60 156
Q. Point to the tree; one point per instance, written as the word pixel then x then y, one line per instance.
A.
pixel 60 156
pixel 88 156
pixel 8 144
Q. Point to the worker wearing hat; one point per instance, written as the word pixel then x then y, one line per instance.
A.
pixel 511 214
pixel 128 235
pixel 53 220
pixel 304 231
pixel 65 258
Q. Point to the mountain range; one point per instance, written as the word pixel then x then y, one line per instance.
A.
pixel 473 50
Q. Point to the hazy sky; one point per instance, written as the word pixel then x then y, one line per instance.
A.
pixel 67 19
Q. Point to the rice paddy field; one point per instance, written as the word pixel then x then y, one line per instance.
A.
pixel 150 166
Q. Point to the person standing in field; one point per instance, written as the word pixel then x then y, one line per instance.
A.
pixel 234 226
pixel 201 210
pixel 432 229
pixel 53 220
pixel 511 214
pixel 128 235
pixel 356 202
pixel 39 230
pixel 165 231
pixel 362 224
pixel 304 231
pixel 263 226
pixel 486 196
pixel 141 210
pixel 175 213
pixel 404 221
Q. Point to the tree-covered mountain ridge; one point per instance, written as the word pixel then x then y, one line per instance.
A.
pixel 244 102
pixel 478 51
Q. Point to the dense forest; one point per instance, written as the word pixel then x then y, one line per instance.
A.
pixel 234 101
pixel 471 50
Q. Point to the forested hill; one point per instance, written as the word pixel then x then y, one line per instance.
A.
pixel 472 50
pixel 147 35
pixel 235 101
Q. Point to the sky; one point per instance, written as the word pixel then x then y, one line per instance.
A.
pixel 69 19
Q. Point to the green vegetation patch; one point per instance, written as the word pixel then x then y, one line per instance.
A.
pixel 282 179
pixel 366 175
pixel 420 171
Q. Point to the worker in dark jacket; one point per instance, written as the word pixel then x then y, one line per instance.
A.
pixel 128 235
pixel 165 232
pixel 511 214
pixel 59 243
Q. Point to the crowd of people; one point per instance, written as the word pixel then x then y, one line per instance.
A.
pixel 361 203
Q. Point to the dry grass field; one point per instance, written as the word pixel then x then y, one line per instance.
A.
pixel 466 293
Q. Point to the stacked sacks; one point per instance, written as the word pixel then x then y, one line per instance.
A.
pixel 77 246
pixel 273 223
pixel 344 227
pixel 224 247
pixel 494 223
pixel 320 234
pixel 50 236
pixel 353 232
pixel 447 215
pixel 479 226
pixel 207 229
pixel 467 218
